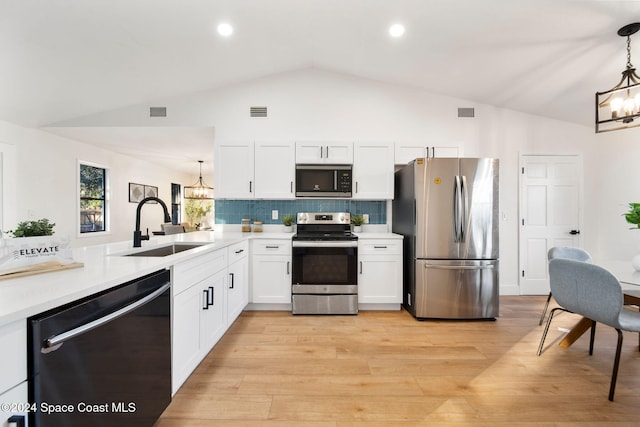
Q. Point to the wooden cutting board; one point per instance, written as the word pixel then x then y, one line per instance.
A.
pixel 45 267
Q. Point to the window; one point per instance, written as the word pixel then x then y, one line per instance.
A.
pixel 93 198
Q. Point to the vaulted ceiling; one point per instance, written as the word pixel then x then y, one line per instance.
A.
pixel 63 59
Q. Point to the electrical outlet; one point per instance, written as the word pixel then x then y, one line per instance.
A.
pixel 366 218
pixel 274 214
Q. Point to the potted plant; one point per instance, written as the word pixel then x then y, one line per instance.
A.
pixel 41 227
pixel 357 220
pixel 633 217
pixel 34 244
pixel 196 211
pixel 287 221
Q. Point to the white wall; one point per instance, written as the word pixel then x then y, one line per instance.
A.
pixel 46 181
pixel 314 104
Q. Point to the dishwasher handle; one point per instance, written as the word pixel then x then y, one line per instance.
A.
pixel 53 343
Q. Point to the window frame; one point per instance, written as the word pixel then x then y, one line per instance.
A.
pixel 107 202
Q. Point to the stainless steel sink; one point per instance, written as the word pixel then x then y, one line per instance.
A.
pixel 171 249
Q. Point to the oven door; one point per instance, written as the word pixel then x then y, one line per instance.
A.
pixel 324 277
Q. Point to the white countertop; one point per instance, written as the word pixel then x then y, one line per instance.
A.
pixel 105 268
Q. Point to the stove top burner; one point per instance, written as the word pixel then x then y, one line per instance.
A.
pixel 324 226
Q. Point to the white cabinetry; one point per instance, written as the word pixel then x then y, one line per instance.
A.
pixel 233 170
pixel 271 272
pixel 238 280
pixel 405 152
pixel 198 319
pixel 380 272
pixel 13 370
pixel 373 170
pixel 274 170
pixel 324 152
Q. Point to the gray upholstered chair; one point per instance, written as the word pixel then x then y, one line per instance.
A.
pixel 595 293
pixel 564 252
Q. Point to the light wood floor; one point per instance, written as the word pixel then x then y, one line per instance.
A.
pixel 386 369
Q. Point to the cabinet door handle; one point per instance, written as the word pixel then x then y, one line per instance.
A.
pixel 250 186
pixel 212 293
pixel 239 251
pixel 291 187
pixel 360 267
pixel 232 276
pixel 205 304
pixel 272 246
pixel 18 420
pixel 327 151
pixel 380 247
pixel 288 268
pixel 320 151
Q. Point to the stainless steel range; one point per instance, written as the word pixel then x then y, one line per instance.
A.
pixel 324 276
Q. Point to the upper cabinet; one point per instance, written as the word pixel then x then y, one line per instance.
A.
pixel 324 152
pixel 406 152
pixel 373 170
pixel 247 170
pixel 233 172
pixel 275 170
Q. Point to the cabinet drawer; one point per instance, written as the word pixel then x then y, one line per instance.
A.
pixel 238 251
pixel 19 396
pixel 379 246
pixel 271 247
pixel 13 342
pixel 190 272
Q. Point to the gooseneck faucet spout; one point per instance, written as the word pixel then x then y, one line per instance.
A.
pixel 138 237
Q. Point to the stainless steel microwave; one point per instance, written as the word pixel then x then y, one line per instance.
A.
pixel 323 180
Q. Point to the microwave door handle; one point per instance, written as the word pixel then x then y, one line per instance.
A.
pixel 335 178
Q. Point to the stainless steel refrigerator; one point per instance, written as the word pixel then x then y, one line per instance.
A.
pixel 447 210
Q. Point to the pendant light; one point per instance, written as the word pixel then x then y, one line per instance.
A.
pixel 199 190
pixel 619 107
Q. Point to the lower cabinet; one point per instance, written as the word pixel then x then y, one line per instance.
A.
pixel 271 272
pixel 199 311
pixel 380 271
pixel 14 410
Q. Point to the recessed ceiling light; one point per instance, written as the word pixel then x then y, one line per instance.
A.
pixel 225 30
pixel 396 30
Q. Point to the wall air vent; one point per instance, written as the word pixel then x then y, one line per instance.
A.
pixel 466 112
pixel 258 112
pixel 157 111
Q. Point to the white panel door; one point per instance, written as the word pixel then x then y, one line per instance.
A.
pixel 234 171
pixel 550 214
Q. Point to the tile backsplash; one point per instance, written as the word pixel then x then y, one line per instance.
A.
pixel 232 211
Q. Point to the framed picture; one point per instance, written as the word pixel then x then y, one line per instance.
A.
pixel 150 191
pixel 136 192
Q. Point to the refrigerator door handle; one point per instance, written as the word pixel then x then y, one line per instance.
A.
pixel 460 267
pixel 456 210
pixel 465 209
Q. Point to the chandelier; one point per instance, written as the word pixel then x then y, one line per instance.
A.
pixel 199 190
pixel 619 107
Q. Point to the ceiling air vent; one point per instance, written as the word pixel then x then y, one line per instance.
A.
pixel 157 111
pixel 466 112
pixel 258 111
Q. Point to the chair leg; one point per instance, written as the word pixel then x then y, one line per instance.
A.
pixel 544 310
pixel 616 364
pixel 546 328
pixel 593 336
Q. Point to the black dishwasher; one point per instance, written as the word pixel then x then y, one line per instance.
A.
pixel 104 360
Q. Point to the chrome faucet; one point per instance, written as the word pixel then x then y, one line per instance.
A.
pixel 138 237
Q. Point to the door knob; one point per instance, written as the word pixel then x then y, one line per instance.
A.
pixel 574 232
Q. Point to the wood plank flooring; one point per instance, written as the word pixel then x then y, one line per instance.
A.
pixel 387 369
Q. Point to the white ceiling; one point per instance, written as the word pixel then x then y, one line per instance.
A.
pixel 63 59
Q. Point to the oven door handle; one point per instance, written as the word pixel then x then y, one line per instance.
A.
pixel 57 340
pixel 325 244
